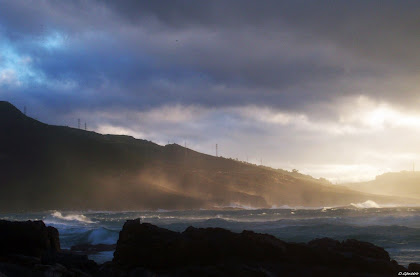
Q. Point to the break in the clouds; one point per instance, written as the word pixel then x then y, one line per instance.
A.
pixel 328 87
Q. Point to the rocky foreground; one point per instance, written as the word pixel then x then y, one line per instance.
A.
pixel 33 249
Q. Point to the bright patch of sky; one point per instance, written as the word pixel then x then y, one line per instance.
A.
pixel 52 41
pixel 269 134
pixel 17 69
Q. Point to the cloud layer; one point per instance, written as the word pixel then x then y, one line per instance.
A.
pixel 328 87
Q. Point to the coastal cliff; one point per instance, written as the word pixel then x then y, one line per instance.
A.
pixel 46 167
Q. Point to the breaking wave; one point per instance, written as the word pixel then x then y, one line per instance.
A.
pixel 77 236
pixel 72 217
pixel 366 205
pixel 100 235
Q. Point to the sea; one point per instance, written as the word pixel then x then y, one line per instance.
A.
pixel 395 228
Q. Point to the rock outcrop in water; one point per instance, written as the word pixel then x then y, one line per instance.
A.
pixel 32 249
pixel 30 238
pixel 219 252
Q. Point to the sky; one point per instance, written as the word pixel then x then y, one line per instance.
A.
pixel 330 88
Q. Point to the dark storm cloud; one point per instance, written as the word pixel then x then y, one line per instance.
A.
pixel 377 39
pixel 379 28
pixel 285 54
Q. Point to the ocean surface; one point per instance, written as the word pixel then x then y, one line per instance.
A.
pixel 397 229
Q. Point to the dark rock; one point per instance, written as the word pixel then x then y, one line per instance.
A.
pixel 76 261
pixel 110 269
pixel 364 249
pixel 30 238
pixel 352 247
pixel 157 246
pixel 219 252
pixel 89 249
pixel 149 246
pixel 326 243
pixel 414 267
pixel 364 256
pixel 54 238
pixel 32 249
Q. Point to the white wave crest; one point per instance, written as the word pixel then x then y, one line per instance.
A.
pixel 284 207
pixel 366 205
pixel 237 205
pixel 287 207
pixel 325 209
pixel 72 217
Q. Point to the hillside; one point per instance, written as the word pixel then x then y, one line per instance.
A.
pixel 402 184
pixel 55 167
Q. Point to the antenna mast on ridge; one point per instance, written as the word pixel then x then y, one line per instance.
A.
pixel 216 150
pixel 78 123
